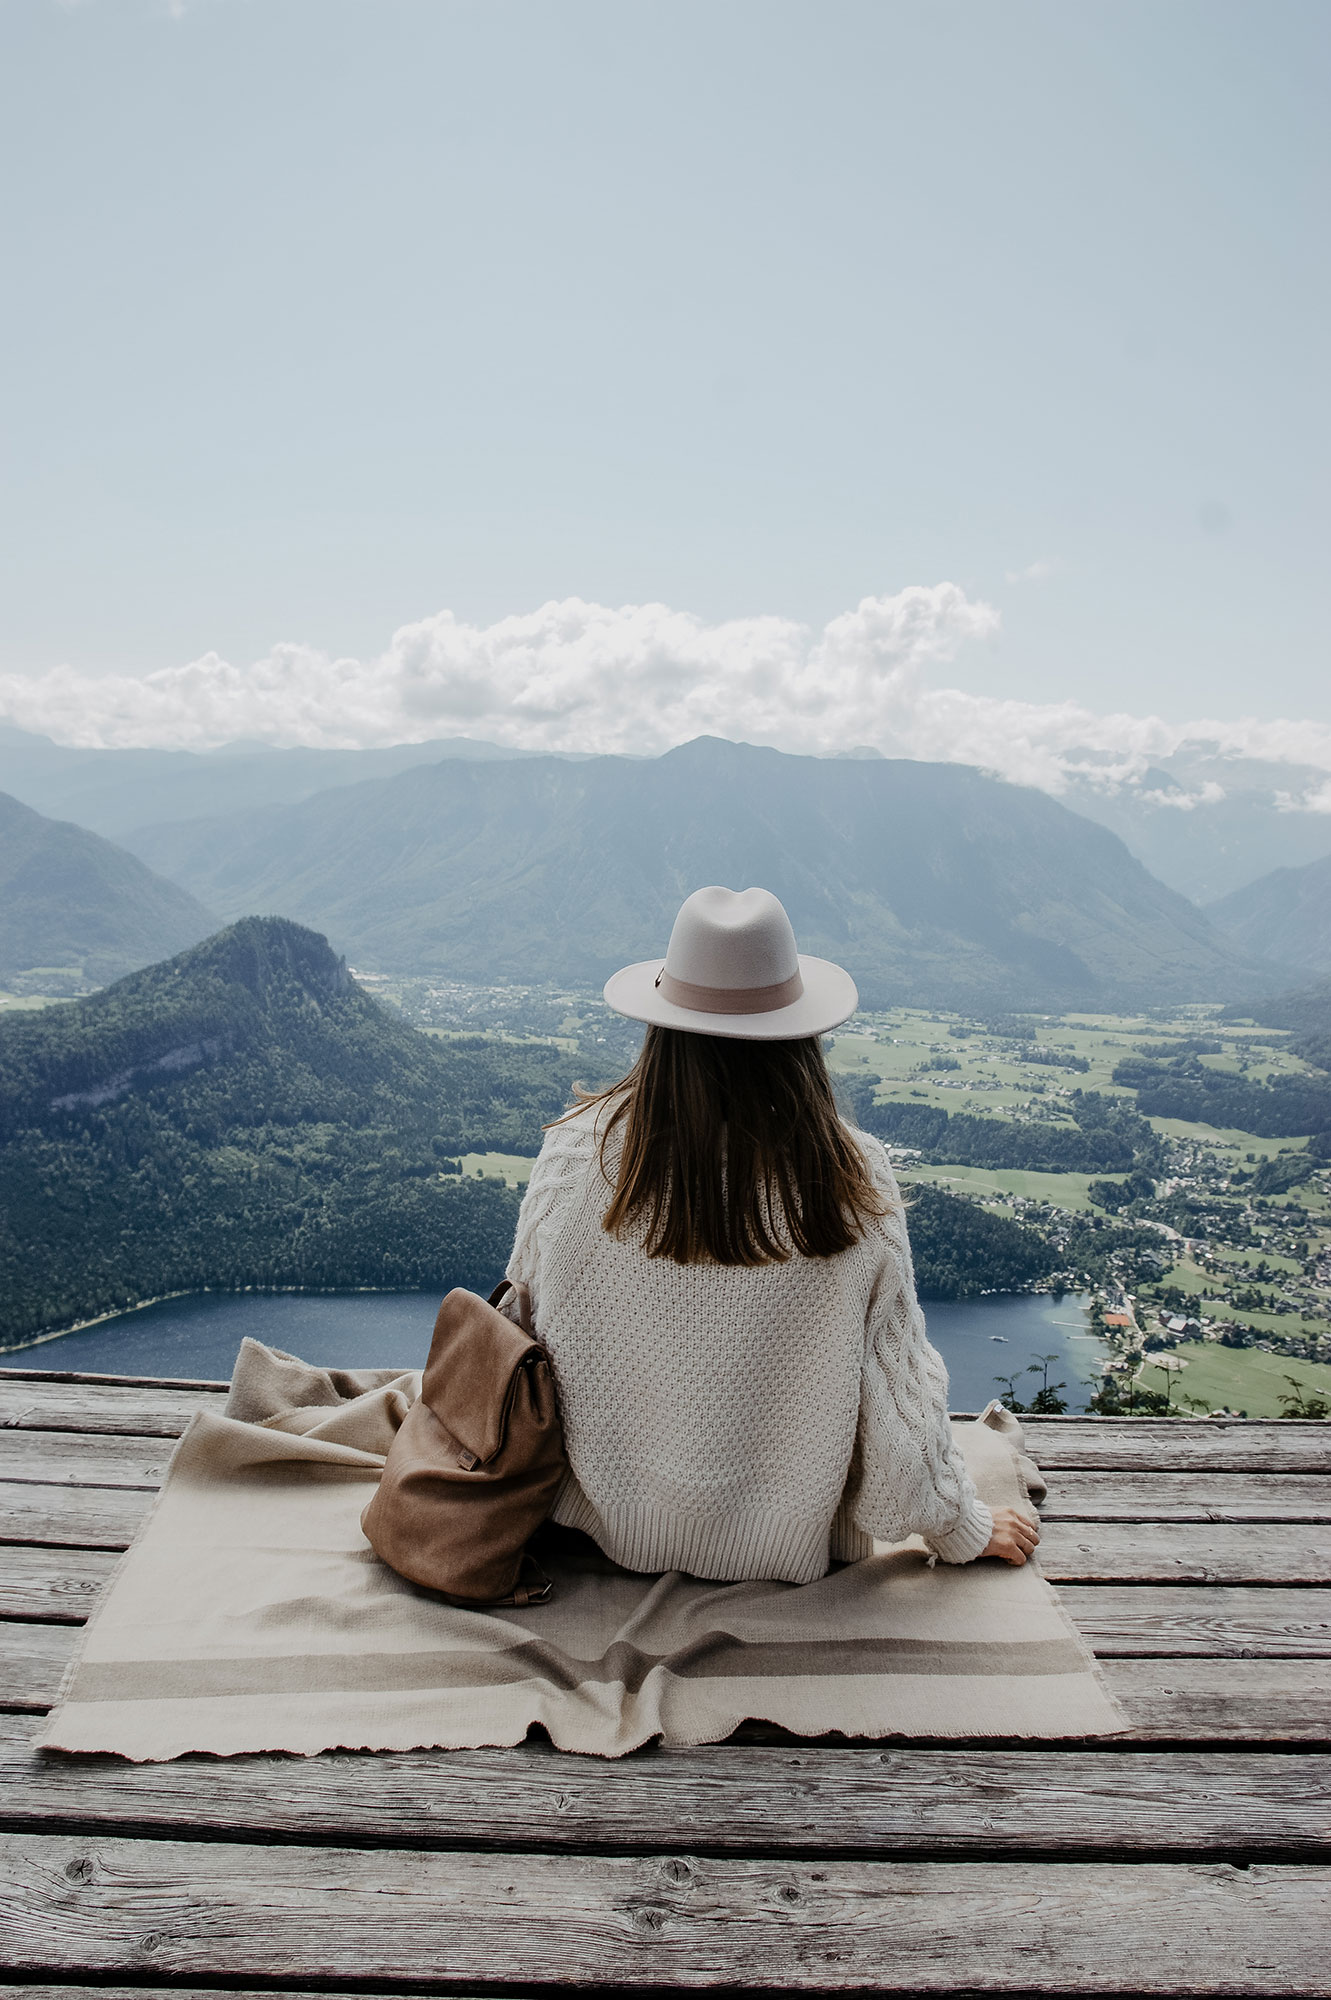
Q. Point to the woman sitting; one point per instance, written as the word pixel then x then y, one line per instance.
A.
pixel 720 1271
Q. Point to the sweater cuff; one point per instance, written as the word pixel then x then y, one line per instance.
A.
pixel 969 1539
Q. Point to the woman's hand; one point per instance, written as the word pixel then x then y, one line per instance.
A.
pixel 1014 1537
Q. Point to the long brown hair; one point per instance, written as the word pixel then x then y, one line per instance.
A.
pixel 733 1152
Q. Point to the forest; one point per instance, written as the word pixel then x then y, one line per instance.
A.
pixel 1107 1137
pixel 961 1249
pixel 1181 1086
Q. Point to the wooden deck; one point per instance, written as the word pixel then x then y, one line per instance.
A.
pixel 1189 1857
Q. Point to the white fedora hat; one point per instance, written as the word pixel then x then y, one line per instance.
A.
pixel 732 968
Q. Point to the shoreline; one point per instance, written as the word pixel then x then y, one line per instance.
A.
pixel 209 1292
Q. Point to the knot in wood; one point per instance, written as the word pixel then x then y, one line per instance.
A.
pixel 790 1894
pixel 677 1870
pixel 81 1870
pixel 648 1917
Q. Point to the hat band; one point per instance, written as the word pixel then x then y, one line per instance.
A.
pixel 728 999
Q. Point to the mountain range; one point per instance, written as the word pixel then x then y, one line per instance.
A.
pixel 112 792
pixel 1285 916
pixel 935 884
pixel 1208 823
pixel 1204 821
pixel 78 909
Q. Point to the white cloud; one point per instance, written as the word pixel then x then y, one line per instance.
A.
pixel 1035 572
pixel 1209 794
pixel 1315 800
pixel 578 676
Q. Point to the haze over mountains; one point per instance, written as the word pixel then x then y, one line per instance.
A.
pixel 1209 824
pixel 1204 822
pixel 75 904
pixel 1285 916
pixel 933 883
pixel 936 883
pixel 114 791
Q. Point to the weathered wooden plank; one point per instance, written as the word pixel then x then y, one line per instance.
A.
pixel 1223 1700
pixel 1159 1620
pixel 1188 1496
pixel 89 1517
pixel 59 1400
pixel 1137 1444
pixel 1185 1552
pixel 716 1799
pixel 137 1410
pixel 58 1585
pixel 102 1992
pixel 73 1459
pixel 110 1381
pixel 33 1658
pixel 107 1517
pixel 227 1910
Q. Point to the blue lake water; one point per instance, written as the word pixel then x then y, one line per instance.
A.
pixel 980 1339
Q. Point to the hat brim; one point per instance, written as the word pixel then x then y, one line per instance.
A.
pixel 829 998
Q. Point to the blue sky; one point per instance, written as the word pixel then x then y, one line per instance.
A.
pixel 325 317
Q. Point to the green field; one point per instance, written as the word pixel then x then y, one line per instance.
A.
pixel 514 1169
pixel 1240 1378
pixel 1213 1135
pixel 566 1042
pixel 1062 1190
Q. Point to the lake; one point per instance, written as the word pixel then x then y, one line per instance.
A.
pixel 199 1337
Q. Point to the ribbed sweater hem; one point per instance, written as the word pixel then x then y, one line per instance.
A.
pixel 970 1537
pixel 735 1547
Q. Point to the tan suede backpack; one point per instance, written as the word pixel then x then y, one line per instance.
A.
pixel 475 1468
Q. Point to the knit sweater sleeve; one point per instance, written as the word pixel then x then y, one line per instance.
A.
pixel 909 1478
pixel 559 1175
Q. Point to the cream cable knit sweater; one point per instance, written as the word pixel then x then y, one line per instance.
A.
pixel 731 1421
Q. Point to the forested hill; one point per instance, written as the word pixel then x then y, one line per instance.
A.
pixel 933 883
pixel 244 1114
pixel 1305 1013
pixel 1285 915
pixel 73 904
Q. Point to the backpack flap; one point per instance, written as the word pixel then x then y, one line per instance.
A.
pixel 478 1360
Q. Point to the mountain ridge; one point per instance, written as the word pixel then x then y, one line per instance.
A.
pixel 934 883
pixel 113 792
pixel 1285 915
pixel 74 902
pixel 1204 821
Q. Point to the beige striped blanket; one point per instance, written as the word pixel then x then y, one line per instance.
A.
pixel 252 1615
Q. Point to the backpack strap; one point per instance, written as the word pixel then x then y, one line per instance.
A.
pixel 523 1299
